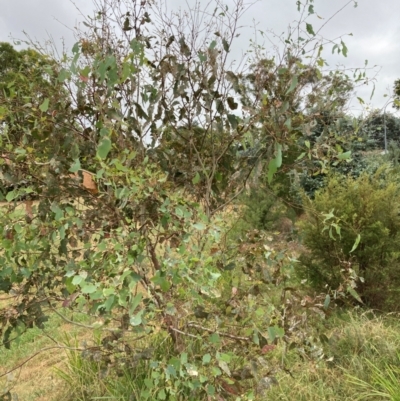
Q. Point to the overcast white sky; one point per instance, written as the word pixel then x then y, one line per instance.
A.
pixel 375 25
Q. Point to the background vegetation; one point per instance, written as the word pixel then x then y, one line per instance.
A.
pixel 202 229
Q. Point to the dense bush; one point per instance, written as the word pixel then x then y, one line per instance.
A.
pixel 262 209
pixel 348 210
pixel 374 126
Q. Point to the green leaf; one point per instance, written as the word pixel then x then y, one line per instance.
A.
pixel 275 332
pixel 137 319
pixel 77 280
pixel 104 132
pixel 57 211
pixel 202 57
pixel 293 84
pixel 199 226
pixel 356 243
pixel 344 49
pixel 224 366
pixel 229 266
pixel 214 338
pixel 63 75
pixel 164 284
pixel 63 247
pixel 279 155
pixel 196 179
pixel 338 229
pixel 75 48
pixel 373 90
pixel 232 104
pixel 329 215
pixel 69 286
pixel 210 390
pixel 149 383
pixel 327 301
pixel 44 106
pixel 232 121
pixel 162 395
pixel 275 163
pixel 104 147
pixel 225 44
pixel 184 358
pixel 212 45
pixel 206 359
pixel 76 166
pixel 109 303
pixel 354 294
pixel 108 291
pixel 310 29
pixel 256 339
pixel 272 169
pixel 88 288
pixel 135 303
pixel 344 155
pixel 97 295
pixel 171 371
pixel 11 196
pixel 301 156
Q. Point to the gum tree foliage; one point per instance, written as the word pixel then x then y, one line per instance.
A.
pixel 151 103
pixel 26 87
pixel 25 83
pixel 321 132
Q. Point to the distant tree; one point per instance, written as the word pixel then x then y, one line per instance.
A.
pixel 396 90
pixel 25 85
pixel 373 127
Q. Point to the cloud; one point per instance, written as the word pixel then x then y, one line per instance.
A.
pixel 374 25
pixel 37 18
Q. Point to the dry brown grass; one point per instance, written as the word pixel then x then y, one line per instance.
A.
pixel 36 380
pixel 37 359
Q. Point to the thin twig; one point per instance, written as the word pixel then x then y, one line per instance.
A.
pixel 182 332
pixel 86 326
pixel 233 337
pixel 37 353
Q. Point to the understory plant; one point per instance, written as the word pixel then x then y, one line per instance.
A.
pixel 351 231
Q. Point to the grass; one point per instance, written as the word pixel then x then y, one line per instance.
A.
pixel 88 379
pixel 361 363
pixel 385 384
pixel 36 379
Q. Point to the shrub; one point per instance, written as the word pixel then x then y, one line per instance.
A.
pixel 347 211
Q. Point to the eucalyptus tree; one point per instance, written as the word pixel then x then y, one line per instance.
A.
pixel 152 104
